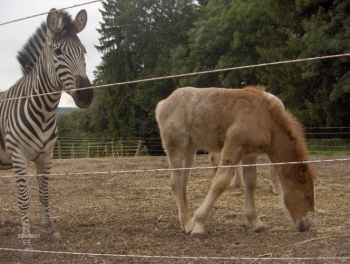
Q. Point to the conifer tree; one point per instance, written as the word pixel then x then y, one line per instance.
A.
pixel 136 41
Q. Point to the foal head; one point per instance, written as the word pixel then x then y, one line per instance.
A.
pixel 298 194
pixel 297 180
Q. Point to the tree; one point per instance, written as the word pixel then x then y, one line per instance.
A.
pixel 68 126
pixel 225 35
pixel 327 32
pixel 317 91
pixel 152 38
pixel 136 38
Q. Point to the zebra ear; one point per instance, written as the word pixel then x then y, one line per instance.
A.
pixel 80 20
pixel 53 21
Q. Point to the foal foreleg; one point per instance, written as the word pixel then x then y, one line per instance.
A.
pixel 219 184
pixel 250 179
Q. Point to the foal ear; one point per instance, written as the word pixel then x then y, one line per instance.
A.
pixel 301 172
pixel 80 20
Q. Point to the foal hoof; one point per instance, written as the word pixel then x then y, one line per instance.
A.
pixel 199 237
pixel 55 237
pixel 260 229
pixel 188 227
pixel 258 226
pixel 27 256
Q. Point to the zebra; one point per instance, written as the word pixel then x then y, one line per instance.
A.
pixel 52 61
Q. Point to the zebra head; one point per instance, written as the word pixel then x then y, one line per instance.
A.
pixel 68 55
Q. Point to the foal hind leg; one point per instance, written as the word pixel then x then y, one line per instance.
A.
pixel 179 180
pixel 188 163
pixel 275 186
pixel 214 158
pixel 250 179
pixel 44 168
pixel 237 180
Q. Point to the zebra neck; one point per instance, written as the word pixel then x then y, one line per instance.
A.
pixel 41 81
pixel 39 85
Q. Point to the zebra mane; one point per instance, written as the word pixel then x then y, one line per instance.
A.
pixel 30 52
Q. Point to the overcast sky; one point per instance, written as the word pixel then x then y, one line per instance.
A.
pixel 15 35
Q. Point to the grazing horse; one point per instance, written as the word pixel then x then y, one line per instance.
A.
pixel 52 60
pixel 239 124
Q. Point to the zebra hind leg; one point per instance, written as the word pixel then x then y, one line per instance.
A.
pixel 44 199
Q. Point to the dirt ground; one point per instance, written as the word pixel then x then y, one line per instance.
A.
pixel 135 214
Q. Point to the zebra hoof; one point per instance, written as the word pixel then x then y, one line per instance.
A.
pixel 2 224
pixel 55 237
pixel 27 256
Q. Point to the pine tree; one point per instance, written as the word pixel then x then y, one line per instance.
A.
pixel 136 42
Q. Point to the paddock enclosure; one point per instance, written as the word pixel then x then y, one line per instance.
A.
pixel 135 214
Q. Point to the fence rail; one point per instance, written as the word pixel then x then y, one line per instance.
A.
pixel 99 148
pixel 332 141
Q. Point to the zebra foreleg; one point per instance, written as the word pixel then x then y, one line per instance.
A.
pixel 23 202
pixel 44 199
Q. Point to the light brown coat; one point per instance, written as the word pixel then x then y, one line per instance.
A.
pixel 240 124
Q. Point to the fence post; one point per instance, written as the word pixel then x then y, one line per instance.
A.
pixel 139 146
pixel 59 151
pixel 105 151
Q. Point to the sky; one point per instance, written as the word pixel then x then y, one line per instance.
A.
pixel 16 34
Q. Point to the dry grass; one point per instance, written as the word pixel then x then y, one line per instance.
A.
pixel 135 214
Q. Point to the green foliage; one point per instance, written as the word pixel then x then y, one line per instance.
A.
pixel 316 91
pixel 225 35
pixel 67 124
pixel 152 38
pixel 327 32
pixel 333 146
pixel 136 37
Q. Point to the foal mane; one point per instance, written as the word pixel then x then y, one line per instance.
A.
pixel 296 132
pixel 287 122
pixel 29 54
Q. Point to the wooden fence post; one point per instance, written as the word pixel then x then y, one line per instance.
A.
pixel 59 150
pixel 139 147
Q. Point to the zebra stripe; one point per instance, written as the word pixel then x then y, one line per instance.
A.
pixel 52 60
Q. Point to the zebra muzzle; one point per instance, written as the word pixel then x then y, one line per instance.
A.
pixel 82 97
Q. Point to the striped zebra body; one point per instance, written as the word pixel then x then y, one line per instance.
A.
pixel 52 61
